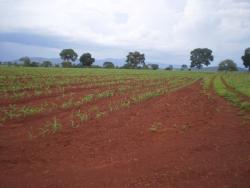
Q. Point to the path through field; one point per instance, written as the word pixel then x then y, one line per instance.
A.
pixel 182 139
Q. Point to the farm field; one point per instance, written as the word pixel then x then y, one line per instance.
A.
pixel 76 127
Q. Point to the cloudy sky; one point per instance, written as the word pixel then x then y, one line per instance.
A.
pixel 165 30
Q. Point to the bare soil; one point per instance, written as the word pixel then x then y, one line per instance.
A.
pixel 183 139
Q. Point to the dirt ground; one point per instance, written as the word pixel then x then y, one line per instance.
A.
pixel 183 139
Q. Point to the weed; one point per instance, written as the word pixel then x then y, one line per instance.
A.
pixel 68 104
pixel 55 125
pixel 73 124
pixel 82 116
pixel 30 134
pixel 100 114
pixel 155 127
pixel 125 103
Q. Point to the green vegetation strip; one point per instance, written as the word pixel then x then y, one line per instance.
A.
pixel 221 90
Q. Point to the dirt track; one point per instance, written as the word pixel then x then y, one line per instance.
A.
pixel 183 139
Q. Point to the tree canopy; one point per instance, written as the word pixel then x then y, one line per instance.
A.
pixel 227 65
pixel 108 64
pixel 135 59
pixel 86 59
pixel 246 58
pixel 68 55
pixel 200 57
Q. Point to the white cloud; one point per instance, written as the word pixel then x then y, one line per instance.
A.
pixel 163 25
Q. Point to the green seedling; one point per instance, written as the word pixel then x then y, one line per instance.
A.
pixel 88 98
pixel 104 94
pixel 51 127
pixel 55 125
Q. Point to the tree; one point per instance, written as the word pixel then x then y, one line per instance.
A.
pixel 170 68
pixel 25 61
pixel 184 67
pixel 46 64
pixel 200 57
pixel 108 65
pixel 227 65
pixel 86 59
pixel 134 59
pixel 154 66
pixel 68 55
pixel 246 58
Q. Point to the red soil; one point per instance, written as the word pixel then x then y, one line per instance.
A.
pixel 182 139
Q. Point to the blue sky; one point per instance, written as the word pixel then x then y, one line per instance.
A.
pixel 165 30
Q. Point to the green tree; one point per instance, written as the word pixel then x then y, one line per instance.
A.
pixel 135 59
pixel 108 65
pixel 227 65
pixel 46 64
pixel 68 55
pixel 86 59
pixel 200 57
pixel 246 58
pixel 26 62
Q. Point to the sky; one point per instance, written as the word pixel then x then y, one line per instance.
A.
pixel 164 30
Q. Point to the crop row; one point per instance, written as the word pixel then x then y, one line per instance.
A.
pixel 79 116
pixel 13 111
pixel 46 92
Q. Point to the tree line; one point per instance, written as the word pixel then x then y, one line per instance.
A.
pixel 199 57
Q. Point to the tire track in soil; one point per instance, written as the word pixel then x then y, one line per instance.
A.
pixel 200 143
pixel 241 96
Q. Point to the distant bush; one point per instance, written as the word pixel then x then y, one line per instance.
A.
pixel 109 65
pixel 153 66
pixel 169 68
pixel 66 64
pixel 46 64
pixel 227 65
